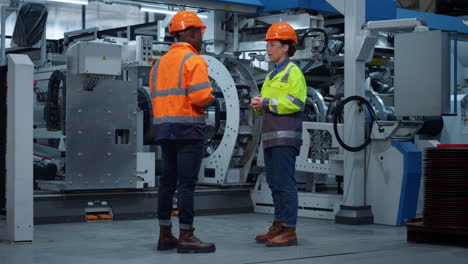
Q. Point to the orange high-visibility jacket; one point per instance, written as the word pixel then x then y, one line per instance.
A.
pixel 180 88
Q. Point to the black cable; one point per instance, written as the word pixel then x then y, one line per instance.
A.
pixel 52 111
pixel 91 83
pixel 325 44
pixel 30 24
pixel 337 115
pixel 86 84
pixel 145 104
pixel 95 81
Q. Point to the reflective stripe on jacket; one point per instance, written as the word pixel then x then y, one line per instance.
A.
pixel 284 99
pixel 180 88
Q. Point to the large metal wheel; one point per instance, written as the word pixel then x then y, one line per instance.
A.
pixel 316 108
pixel 233 128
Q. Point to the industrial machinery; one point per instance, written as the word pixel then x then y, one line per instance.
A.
pixel 385 190
pixel 360 161
pixel 97 122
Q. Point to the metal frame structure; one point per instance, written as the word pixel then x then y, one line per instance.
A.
pixel 18 226
pixel 354 207
pixel 374 9
pixel 239 6
pixel 311 204
pixel 219 162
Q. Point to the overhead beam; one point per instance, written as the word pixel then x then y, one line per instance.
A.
pixel 338 5
pixel 249 7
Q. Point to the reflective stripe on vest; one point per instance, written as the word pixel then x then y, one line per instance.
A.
pixel 281 134
pixel 286 75
pixel 173 91
pixel 296 101
pixel 274 105
pixel 186 57
pixel 180 91
pixel 292 99
pixel 179 119
pixel 155 75
pixel 177 91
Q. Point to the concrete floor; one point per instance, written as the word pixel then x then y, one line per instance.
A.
pixel 135 242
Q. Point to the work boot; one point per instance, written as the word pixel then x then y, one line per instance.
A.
pixel 287 237
pixel 166 241
pixel 275 229
pixel 189 243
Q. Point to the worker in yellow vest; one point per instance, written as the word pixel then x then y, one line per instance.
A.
pixel 281 104
pixel 180 88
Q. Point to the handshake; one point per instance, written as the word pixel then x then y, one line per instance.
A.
pixel 257 102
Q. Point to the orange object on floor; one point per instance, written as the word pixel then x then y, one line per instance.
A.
pixel 175 213
pixel 91 217
pixel 104 217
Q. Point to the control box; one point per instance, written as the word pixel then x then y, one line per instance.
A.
pixel 144 50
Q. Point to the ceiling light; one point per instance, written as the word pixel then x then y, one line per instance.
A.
pixel 162 11
pixel 155 10
pixel 78 2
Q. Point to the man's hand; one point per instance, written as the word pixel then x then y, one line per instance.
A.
pixel 257 103
pixel 198 109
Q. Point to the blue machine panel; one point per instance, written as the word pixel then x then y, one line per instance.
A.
pixel 375 9
pixel 434 21
pixel 412 170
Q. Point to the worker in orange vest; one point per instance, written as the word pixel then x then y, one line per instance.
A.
pixel 180 88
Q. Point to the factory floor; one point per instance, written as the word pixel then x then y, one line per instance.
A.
pixel 134 242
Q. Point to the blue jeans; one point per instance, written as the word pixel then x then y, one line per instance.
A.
pixel 280 169
pixel 181 163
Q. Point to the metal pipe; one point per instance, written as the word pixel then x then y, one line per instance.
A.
pixel 455 73
pixel 44 47
pixel 83 17
pixel 3 17
pixel 2 61
pixel 236 32
pixel 126 2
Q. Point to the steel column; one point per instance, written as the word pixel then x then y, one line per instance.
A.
pixel 353 210
pixel 19 157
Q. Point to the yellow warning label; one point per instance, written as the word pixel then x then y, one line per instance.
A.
pixel 104 58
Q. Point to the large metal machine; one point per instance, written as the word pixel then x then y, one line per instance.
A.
pixel 100 133
pixel 379 181
pixel 96 115
pixel 360 161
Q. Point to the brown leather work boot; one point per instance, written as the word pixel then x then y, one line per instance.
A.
pixel 189 243
pixel 166 241
pixel 275 229
pixel 287 237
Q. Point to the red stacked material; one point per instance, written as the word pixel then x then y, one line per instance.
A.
pixel 446 187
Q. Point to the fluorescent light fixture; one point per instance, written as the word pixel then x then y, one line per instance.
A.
pixel 155 10
pixel 162 11
pixel 78 2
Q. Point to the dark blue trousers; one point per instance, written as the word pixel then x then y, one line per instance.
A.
pixel 280 169
pixel 181 163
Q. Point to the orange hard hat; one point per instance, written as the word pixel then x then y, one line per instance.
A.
pixel 185 19
pixel 282 31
